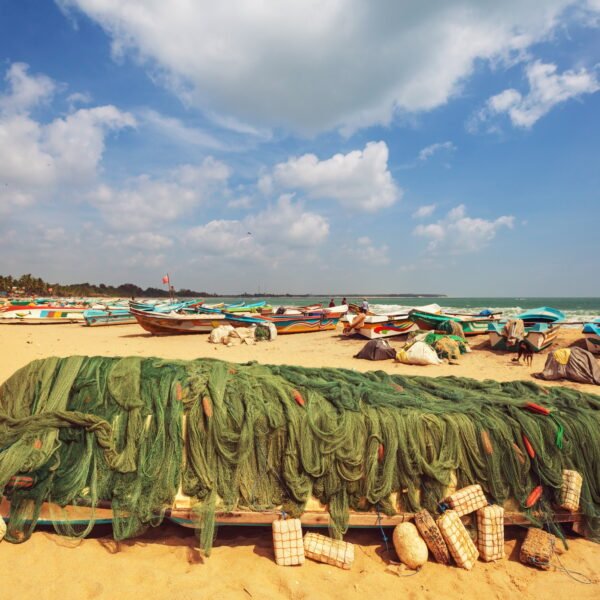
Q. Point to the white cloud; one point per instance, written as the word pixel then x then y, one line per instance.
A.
pixel 25 91
pixel 145 202
pixel 176 130
pixel 76 142
pixel 458 233
pixel 359 180
pixel 547 88
pixel 310 66
pixel 429 151
pixel 277 230
pixel 79 98
pixel 424 211
pixel 365 251
pixel 36 156
pixel 241 202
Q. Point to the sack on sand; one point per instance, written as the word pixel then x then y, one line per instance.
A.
pixel 287 542
pixel 418 353
pixel 217 335
pixel 326 550
pixel 409 545
pixel 376 350
pixel 580 366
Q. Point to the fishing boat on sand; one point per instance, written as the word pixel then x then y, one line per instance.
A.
pixel 471 324
pixel 373 326
pixel 174 323
pixel 592 336
pixel 48 315
pixel 538 328
pixel 108 316
pixel 293 320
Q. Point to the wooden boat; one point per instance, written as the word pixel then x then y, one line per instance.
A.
pixel 315 514
pixel 592 336
pixel 257 307
pixel 295 323
pixel 108 316
pixel 174 323
pixel 471 325
pixel 373 326
pixel 49 315
pixel 541 329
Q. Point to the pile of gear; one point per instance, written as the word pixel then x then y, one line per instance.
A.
pixel 131 432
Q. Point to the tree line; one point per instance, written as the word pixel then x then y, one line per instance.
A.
pixel 28 285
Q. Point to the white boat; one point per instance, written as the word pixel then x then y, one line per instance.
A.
pixel 383 326
pixel 43 316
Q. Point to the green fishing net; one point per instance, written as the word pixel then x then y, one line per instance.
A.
pixel 134 431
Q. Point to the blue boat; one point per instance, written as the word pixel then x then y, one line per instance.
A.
pixel 543 314
pixel 119 316
pixel 541 329
pixel 592 336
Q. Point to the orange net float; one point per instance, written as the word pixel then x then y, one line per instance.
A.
pixel 298 398
pixel 519 453
pixel 528 446
pixel 486 442
pixel 534 496
pixel 207 407
pixel 178 391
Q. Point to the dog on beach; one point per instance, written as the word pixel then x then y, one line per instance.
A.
pixel 525 352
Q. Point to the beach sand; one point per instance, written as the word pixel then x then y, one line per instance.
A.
pixel 165 563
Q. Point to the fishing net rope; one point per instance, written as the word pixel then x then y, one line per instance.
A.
pixel 133 431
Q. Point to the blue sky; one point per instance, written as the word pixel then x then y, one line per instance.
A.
pixel 449 146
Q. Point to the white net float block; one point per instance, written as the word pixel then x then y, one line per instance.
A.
pixel 490 533
pixel 467 500
pixel 570 491
pixel 326 550
pixel 287 542
pixel 458 540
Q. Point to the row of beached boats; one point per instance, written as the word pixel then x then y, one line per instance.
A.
pixel 538 328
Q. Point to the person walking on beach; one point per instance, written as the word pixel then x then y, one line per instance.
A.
pixel 344 302
pixel 331 303
pixel 364 307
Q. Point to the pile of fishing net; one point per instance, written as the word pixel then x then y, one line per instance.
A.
pixel 133 431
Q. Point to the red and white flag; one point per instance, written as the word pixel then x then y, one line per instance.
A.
pixel 165 279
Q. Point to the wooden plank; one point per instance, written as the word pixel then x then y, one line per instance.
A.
pixel 313 517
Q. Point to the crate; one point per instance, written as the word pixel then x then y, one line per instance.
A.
pixel 537 549
pixel 467 500
pixel 432 535
pixel 490 533
pixel 458 540
pixel 287 542
pixel 570 491
pixel 326 550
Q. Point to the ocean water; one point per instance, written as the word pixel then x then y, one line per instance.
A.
pixel 575 309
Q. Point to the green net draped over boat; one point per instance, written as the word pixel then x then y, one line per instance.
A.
pixel 133 431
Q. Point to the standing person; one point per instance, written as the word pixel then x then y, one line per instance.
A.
pixel 344 302
pixel 364 307
pixel 331 303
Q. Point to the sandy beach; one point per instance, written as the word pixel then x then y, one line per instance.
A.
pixel 165 562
